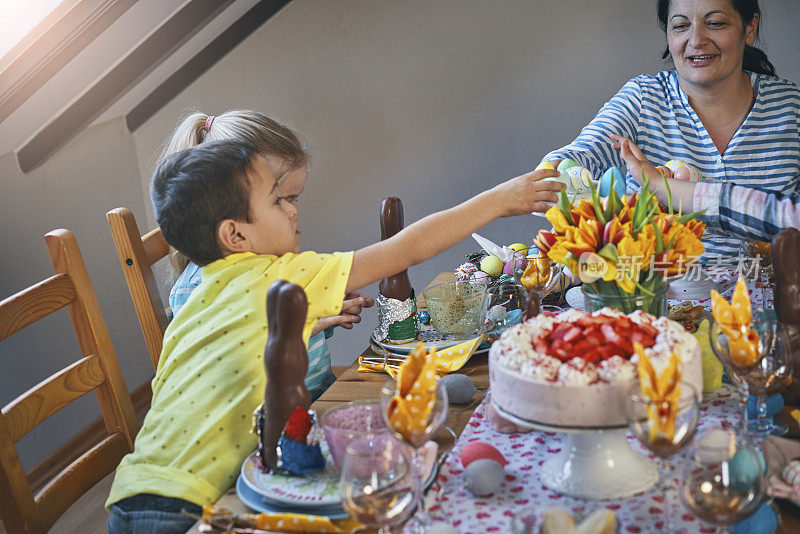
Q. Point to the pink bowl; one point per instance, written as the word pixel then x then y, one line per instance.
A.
pixel 349 421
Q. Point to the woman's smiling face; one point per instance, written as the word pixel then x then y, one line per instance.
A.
pixel 706 39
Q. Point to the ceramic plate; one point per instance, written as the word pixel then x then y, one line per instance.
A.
pixel 256 502
pixel 317 489
pixel 428 337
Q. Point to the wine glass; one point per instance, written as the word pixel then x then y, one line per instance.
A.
pixel 376 481
pixel 416 439
pixel 723 478
pixel 657 442
pixel 769 374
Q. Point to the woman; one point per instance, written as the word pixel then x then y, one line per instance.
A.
pixel 721 110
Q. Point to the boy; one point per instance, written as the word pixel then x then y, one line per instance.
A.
pixel 219 204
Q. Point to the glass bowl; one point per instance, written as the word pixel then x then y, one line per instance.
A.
pixel 457 309
pixel 349 421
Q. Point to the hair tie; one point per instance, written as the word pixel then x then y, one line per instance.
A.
pixel 209 122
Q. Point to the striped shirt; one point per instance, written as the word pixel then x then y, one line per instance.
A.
pixel 654 112
pixel 750 213
pixel 319 376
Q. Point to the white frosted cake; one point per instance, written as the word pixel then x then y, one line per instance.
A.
pixel 576 369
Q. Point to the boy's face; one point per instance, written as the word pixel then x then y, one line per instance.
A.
pixel 273 215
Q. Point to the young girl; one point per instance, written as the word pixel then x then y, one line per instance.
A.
pixel 273 140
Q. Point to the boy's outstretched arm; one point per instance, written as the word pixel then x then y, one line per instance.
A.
pixel 436 233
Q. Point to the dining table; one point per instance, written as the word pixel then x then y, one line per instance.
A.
pixel 352 384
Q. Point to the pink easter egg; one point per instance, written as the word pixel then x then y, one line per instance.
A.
pixel 519 261
pixel 478 450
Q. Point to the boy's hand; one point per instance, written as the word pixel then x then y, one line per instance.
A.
pixel 637 163
pixel 351 312
pixel 528 193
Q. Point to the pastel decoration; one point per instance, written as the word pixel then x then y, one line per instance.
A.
pixel 613 177
pixel 693 174
pixel 665 171
pixel 545 165
pixel 460 388
pixel 519 261
pixel 519 247
pixel 476 450
pixel 492 265
pixel 566 164
pixel 744 469
pixel 712 367
pixel 580 178
pixel 480 277
pixel 483 477
pixel 424 317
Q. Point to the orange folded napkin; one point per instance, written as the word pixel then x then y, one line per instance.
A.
pixel 412 404
pixel 220 518
pixel 735 319
pixel 663 391
pixel 447 360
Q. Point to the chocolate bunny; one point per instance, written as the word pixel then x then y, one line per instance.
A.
pixel 397 286
pixel 286 363
pixel 786 262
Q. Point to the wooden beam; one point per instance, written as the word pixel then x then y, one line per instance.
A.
pixel 204 60
pixel 175 31
pixel 53 43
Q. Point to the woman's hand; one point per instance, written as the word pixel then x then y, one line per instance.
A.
pixel 528 193
pixel 638 165
pixel 352 305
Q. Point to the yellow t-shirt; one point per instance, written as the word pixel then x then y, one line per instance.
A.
pixel 211 374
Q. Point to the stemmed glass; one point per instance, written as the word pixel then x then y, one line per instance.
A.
pixel 770 374
pixel 416 439
pixel 723 478
pixel 663 446
pixel 376 482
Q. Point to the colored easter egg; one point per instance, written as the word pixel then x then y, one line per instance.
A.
pixel 545 165
pixel 483 477
pixel 612 177
pixel 517 262
pixel 566 164
pixel 480 277
pixel 744 469
pixel 460 388
pixel 580 178
pixel 476 450
pixel 519 247
pixel 764 521
pixel 774 405
pixel 665 171
pixel 492 265
pixel 425 317
pixel 440 527
pixel 565 179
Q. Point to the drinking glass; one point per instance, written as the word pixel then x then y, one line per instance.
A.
pixel 661 445
pixel 505 304
pixel 770 374
pixel 416 439
pixel 376 482
pixel 723 478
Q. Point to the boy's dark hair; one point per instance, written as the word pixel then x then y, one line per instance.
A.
pixel 193 190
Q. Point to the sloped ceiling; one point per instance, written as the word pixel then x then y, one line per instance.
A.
pixel 81 93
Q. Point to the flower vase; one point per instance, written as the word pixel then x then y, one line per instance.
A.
pixel 612 296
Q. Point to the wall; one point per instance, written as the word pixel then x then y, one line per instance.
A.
pixel 94 173
pixel 432 102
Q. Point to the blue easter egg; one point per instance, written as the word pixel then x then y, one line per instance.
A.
pixel 774 405
pixel 612 175
pixel 460 388
pixel 764 521
pixel 425 317
pixel 482 477
pixel 744 469
pixel 566 164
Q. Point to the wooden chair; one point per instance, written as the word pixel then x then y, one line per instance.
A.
pixel 98 371
pixel 137 253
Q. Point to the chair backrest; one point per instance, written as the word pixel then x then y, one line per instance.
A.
pixel 137 253
pixel 98 370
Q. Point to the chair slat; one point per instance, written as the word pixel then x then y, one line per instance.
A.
pixel 44 399
pixel 31 304
pixel 81 475
pixel 154 245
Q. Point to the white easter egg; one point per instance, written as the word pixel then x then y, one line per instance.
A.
pixel 483 477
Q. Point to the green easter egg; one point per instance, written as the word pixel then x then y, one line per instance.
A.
pixel 492 265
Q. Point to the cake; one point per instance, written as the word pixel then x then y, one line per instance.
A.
pixel 576 369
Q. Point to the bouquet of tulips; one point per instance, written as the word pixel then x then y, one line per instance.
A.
pixel 622 246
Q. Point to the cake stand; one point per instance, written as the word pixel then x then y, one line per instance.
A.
pixel 594 463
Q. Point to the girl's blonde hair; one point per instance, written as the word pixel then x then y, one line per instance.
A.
pixel 274 141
